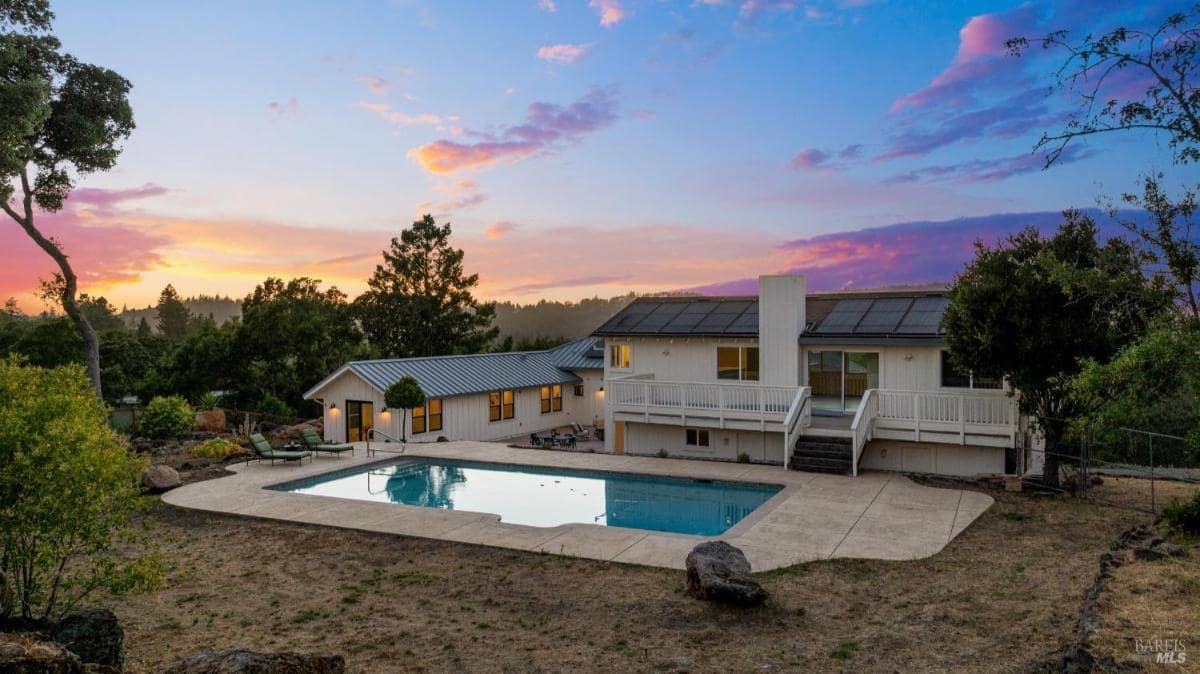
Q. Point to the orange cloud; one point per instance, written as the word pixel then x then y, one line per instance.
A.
pixel 611 11
pixel 399 118
pixel 499 230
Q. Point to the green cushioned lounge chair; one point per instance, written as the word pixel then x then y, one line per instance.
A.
pixel 316 444
pixel 263 450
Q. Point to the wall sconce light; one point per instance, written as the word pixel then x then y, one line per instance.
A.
pixel 332 407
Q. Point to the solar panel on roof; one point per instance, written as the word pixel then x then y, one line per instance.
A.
pixel 925 316
pixel 845 315
pixel 883 316
pixel 733 307
pixel 715 322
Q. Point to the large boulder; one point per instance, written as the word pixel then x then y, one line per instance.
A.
pixel 212 421
pixel 159 478
pixel 22 654
pixel 249 662
pixel 717 571
pixel 95 636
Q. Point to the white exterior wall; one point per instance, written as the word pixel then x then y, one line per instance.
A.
pixel 648 439
pixel 691 359
pixel 463 417
pixel 936 459
pixel 588 410
pixel 901 367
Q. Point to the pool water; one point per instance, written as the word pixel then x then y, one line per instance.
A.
pixel 547 497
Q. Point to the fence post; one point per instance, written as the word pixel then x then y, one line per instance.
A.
pixel 1153 504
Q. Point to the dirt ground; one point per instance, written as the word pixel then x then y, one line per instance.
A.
pixel 1002 596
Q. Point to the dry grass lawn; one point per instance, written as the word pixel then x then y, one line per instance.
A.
pixel 1000 597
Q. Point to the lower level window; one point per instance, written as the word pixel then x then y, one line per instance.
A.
pixel 551 399
pixel 435 414
pixel 696 437
pixel 418 421
pixel 501 405
pixel 579 390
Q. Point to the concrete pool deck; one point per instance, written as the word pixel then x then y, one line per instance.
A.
pixel 873 516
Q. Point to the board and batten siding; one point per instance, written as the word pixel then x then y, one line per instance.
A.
pixel 463 417
pixel 649 439
pixel 690 359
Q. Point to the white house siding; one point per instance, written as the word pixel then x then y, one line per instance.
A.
pixel 649 439
pixel 463 417
pixel 588 410
pixel 936 459
pixel 691 359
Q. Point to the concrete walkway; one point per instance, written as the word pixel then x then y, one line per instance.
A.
pixel 875 515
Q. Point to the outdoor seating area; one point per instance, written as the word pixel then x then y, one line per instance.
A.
pixel 574 437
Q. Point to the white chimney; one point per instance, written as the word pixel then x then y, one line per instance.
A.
pixel 780 322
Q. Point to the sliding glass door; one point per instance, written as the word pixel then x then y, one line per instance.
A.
pixel 360 417
pixel 840 378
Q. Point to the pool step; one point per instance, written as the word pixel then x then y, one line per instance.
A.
pixel 822 455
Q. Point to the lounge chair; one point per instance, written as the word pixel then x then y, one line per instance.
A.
pixel 581 432
pixel 316 444
pixel 261 449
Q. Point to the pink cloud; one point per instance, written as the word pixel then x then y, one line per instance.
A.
pixel 809 158
pixel 981 57
pixel 546 125
pixel 547 6
pixel 375 84
pixel 500 230
pixel 992 170
pixel 563 53
pixel 399 118
pixel 611 11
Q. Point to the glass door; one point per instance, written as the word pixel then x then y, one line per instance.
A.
pixel 360 418
pixel 840 378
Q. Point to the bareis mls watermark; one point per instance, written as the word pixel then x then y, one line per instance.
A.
pixel 1161 651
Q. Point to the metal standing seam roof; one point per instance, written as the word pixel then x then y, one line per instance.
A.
pixel 448 376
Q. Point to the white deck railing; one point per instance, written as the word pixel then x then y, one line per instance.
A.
pixel 799 416
pixel 863 427
pixel 977 414
pixel 721 401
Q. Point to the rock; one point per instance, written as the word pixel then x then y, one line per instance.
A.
pixel 249 662
pixel 1173 550
pixel 159 478
pixel 22 654
pixel 210 420
pixel 1148 554
pixel 95 636
pixel 1097 480
pixel 1153 541
pixel 717 571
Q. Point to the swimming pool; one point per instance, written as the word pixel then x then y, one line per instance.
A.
pixel 547 497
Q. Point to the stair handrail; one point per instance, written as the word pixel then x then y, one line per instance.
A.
pixel 862 426
pixel 372 432
pixel 792 420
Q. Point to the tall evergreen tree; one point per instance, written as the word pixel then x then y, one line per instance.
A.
pixel 174 319
pixel 419 301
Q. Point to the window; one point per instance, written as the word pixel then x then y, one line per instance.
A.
pixel 418 419
pixel 551 399
pixel 579 390
pixel 435 414
pixel 500 405
pixel 953 377
pixel 737 363
pixel 696 437
pixel 619 356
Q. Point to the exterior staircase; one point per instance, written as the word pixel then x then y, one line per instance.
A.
pixel 818 454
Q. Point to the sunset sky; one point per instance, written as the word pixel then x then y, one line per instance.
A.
pixel 580 147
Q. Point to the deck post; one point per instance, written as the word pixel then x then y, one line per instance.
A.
pixel 962 420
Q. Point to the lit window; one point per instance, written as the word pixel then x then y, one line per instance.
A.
pixel 737 363
pixel 494 406
pixel 418 419
pixel 509 408
pixel 619 356
pixel 696 437
pixel 435 414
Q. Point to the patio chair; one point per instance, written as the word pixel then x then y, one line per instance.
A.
pixel 261 449
pixel 316 444
pixel 581 432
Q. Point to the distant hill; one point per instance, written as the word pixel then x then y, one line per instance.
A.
pixel 562 320
pixel 221 309
pixel 565 320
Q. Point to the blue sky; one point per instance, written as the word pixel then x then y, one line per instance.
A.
pixel 601 147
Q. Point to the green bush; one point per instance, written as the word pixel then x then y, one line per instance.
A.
pixel 274 407
pixel 209 401
pixel 166 417
pixel 216 448
pixel 1184 515
pixel 68 495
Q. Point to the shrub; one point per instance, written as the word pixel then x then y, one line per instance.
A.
pixel 274 407
pixel 209 401
pixel 1184 515
pixel 68 494
pixel 743 457
pixel 217 448
pixel 166 417
pixel 662 454
pixel 404 395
